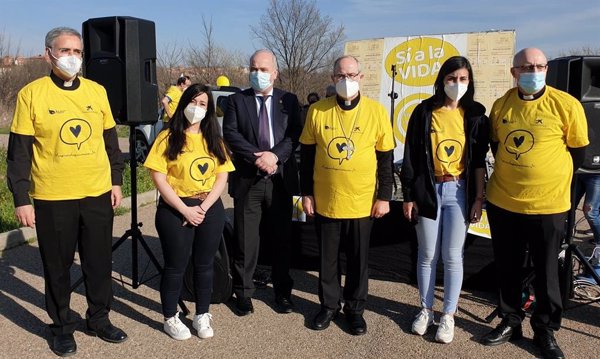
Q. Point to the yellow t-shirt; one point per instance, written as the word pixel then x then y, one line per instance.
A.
pixel 533 167
pixel 345 161
pixel 174 95
pixel 69 155
pixel 193 172
pixel 448 141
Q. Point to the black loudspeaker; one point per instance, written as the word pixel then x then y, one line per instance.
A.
pixel 120 54
pixel 580 77
pixel 592 152
pixel 577 75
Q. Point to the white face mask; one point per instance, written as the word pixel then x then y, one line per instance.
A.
pixel 194 114
pixel 455 91
pixel 347 88
pixel 68 65
pixel 259 80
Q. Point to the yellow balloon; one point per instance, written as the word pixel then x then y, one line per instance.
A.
pixel 222 81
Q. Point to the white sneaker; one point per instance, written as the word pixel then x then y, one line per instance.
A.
pixel 202 324
pixel 445 332
pixel 423 321
pixel 176 329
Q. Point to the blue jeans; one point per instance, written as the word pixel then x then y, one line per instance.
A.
pixel 445 235
pixel 589 184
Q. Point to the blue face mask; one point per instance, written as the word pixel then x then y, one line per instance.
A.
pixel 260 80
pixel 532 82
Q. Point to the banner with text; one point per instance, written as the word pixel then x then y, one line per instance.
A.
pixel 417 61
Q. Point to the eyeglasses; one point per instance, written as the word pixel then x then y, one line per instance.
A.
pixel 532 68
pixel 68 51
pixel 338 77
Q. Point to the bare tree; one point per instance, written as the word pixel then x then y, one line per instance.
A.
pixel 304 41
pixel 210 60
pixel 15 72
pixel 581 51
pixel 169 65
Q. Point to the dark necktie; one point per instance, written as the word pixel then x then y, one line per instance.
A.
pixel 264 135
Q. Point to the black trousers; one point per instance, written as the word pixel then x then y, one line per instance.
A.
pixel 61 226
pixel 266 198
pixel 512 235
pixel 178 243
pixel 353 236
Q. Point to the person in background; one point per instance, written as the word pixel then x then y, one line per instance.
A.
pixel 589 184
pixel 330 91
pixel 189 165
pixel 442 183
pixel 311 98
pixel 171 99
pixel 63 152
pixel 261 126
pixel 346 182
pixel 538 138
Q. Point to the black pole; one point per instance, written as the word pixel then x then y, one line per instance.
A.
pixel 135 283
pixel 393 95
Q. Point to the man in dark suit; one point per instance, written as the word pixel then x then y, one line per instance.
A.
pixel 261 127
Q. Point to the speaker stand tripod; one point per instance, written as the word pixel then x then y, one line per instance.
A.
pixel 572 249
pixel 134 231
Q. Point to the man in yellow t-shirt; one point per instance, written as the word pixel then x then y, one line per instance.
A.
pixel 538 136
pixel 171 99
pixel 346 181
pixel 64 153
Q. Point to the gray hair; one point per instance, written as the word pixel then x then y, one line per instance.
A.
pixel 264 51
pixel 336 63
pixel 58 31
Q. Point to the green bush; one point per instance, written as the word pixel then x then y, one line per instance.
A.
pixel 144 180
pixel 7 210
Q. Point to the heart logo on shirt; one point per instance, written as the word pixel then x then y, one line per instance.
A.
pixel 449 150
pixel 340 147
pixel 203 168
pixel 518 140
pixel 75 130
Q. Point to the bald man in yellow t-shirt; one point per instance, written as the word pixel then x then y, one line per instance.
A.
pixel 346 181
pixel 538 136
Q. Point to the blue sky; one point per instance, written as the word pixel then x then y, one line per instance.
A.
pixel 552 25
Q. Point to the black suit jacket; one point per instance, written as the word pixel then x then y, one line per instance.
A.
pixel 240 130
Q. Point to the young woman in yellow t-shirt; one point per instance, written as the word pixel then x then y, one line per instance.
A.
pixel 190 165
pixel 442 182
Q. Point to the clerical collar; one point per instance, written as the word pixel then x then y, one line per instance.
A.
pixel 65 85
pixel 535 96
pixel 344 105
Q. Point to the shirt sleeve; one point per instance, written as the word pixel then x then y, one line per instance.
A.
pixel 576 129
pixel 109 121
pixel 22 123
pixel 308 134
pixel 18 171
pixel 493 117
pixel 386 140
pixel 227 166
pixel 157 159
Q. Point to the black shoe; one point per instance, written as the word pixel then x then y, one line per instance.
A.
pixel 548 346
pixel 64 345
pixel 324 318
pixel 283 304
pixel 357 324
pixel 108 333
pixel 243 306
pixel 502 334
